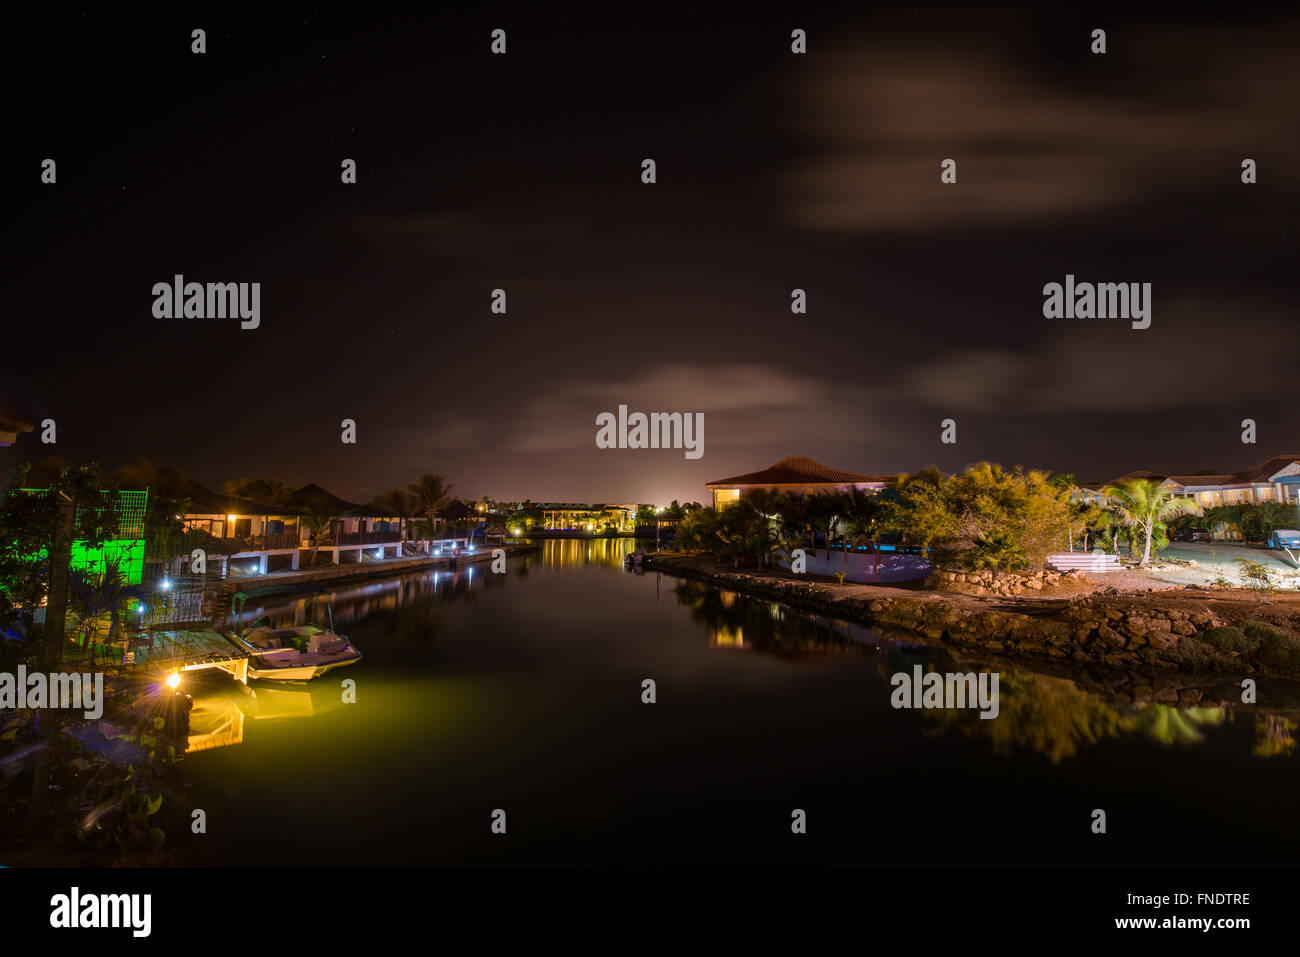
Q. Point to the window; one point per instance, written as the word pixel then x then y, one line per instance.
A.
pixel 725 496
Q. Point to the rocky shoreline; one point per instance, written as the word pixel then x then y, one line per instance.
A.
pixel 1203 630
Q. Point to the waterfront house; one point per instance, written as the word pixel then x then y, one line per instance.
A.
pixel 1275 480
pixel 798 474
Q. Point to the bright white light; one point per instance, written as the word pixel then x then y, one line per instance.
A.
pixel 174 680
pixel 165 584
pixel 139 609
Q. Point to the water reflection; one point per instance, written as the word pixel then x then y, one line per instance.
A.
pixel 734 621
pixel 1055 713
pixel 1050 715
pixel 221 708
pixel 282 607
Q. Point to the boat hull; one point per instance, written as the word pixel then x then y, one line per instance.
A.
pixel 297 673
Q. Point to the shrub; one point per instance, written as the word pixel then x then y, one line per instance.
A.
pixel 1229 639
pixel 1196 654
pixel 1277 648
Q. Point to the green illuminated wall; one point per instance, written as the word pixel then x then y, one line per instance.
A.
pixel 127 553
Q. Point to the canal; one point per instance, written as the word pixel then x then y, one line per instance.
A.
pixel 523 692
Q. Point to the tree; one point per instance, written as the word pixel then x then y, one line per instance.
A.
pixel 920 512
pixel 697 530
pixel 864 521
pixel 93 594
pixel 1142 504
pixel 949 515
pixel 399 503
pixel 29 523
pixel 271 494
pixel 432 494
pixel 997 550
pixel 316 522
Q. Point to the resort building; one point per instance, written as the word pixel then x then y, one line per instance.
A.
pixel 580 517
pixel 797 474
pixel 1276 480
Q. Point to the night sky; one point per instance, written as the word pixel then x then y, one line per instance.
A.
pixel 775 171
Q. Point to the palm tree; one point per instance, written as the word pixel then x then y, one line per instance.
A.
pixel 316 522
pixel 432 494
pixel 764 508
pixel 997 550
pixel 1142 504
pixel 95 593
pixel 268 492
pixel 399 503
pixel 864 514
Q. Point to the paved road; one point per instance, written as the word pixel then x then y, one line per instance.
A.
pixel 1220 557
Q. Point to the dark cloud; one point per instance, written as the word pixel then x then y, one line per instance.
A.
pixel 880 111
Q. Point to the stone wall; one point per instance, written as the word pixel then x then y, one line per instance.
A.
pixel 1003 584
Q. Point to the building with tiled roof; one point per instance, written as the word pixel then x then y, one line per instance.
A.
pixel 798 474
pixel 1276 480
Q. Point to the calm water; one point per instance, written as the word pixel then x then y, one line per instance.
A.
pixel 523 692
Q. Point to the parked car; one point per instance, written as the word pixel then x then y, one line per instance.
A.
pixel 1284 538
pixel 1192 535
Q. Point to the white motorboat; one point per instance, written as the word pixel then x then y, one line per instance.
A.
pixel 296 654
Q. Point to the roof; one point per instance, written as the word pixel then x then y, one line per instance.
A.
pixel 1133 476
pixel 177 648
pixel 314 498
pixel 165 482
pixel 1252 474
pixel 1262 471
pixel 800 470
pixel 571 506
pixel 1203 479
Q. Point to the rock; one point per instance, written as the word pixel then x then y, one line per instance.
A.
pixel 1111 635
pixel 1162 640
